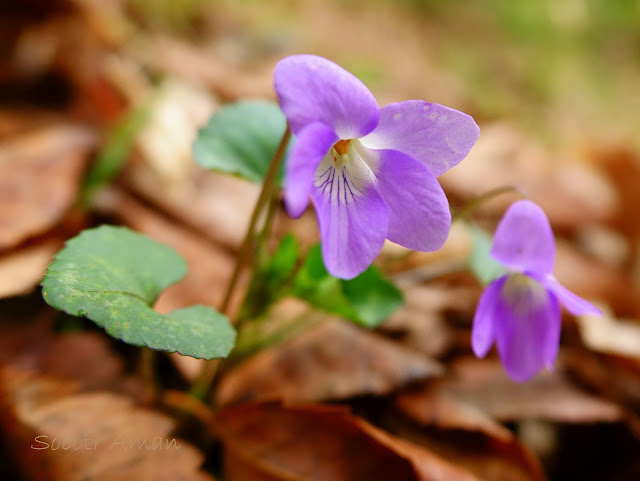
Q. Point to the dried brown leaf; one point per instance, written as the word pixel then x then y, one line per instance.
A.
pixel 435 407
pixel 500 453
pixel 22 270
pixel 270 442
pixel 596 280
pixel 58 435
pixel 209 202
pixel 549 396
pixel 622 165
pixel 421 320
pixel 487 458
pixel 571 193
pixel 87 359
pixel 178 58
pixel 613 376
pixel 20 120
pixel 333 360
pixel 39 177
pixel 610 335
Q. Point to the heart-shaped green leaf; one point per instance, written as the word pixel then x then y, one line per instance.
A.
pixel 241 138
pixel 113 276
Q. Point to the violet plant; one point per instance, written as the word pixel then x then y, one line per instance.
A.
pixel 371 175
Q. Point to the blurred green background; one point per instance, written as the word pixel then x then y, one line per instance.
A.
pixel 567 70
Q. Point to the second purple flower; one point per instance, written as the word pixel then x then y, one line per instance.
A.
pixel 370 171
pixel 520 311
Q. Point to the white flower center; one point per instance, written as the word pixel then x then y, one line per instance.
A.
pixel 346 171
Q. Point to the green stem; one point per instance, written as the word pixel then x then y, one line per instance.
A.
pixel 254 343
pixel 205 380
pixel 260 257
pixel 263 236
pixel 263 199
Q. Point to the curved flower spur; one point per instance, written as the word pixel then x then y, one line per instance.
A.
pixel 521 310
pixel 370 171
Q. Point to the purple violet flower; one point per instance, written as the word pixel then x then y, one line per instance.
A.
pixel 370 171
pixel 521 310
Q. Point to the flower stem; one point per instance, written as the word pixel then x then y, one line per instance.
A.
pixel 202 385
pixel 147 370
pixel 255 343
pixel 263 200
pixel 468 209
pixel 185 404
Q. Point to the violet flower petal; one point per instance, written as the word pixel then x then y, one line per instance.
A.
pixel 575 304
pixel 311 145
pixel 352 216
pixel 527 328
pixel 523 240
pixel 437 136
pixel 551 343
pixel 313 89
pixel 483 332
pixel 419 215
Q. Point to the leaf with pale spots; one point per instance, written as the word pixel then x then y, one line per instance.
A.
pixel 113 276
